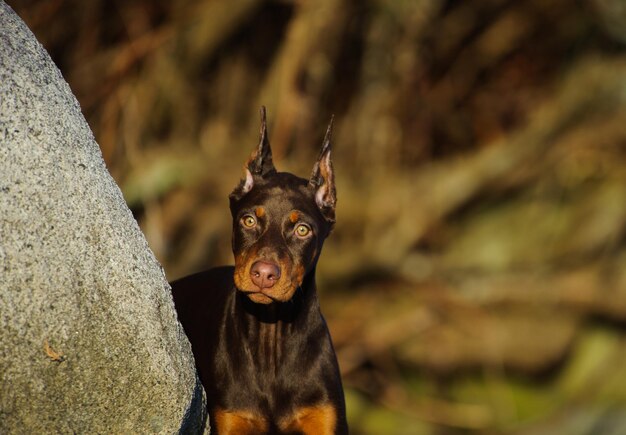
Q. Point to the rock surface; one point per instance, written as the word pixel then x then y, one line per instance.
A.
pixel 89 339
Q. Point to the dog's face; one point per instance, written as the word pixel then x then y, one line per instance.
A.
pixel 280 222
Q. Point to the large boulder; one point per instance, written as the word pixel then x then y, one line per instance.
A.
pixel 89 339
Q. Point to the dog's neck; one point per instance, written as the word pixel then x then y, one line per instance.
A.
pixel 270 333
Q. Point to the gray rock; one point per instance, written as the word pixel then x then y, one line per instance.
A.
pixel 89 339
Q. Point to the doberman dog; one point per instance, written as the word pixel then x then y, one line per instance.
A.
pixel 261 345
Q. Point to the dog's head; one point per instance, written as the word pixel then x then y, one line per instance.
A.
pixel 280 222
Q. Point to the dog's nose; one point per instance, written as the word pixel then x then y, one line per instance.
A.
pixel 264 274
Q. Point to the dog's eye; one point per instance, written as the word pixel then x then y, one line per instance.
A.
pixel 303 230
pixel 248 221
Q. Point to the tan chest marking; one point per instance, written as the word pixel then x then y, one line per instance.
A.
pixel 311 420
pixel 239 422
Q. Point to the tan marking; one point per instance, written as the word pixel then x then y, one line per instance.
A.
pixel 300 274
pixel 238 422
pixel 311 420
pixel 51 353
pixel 242 279
pixel 259 212
pixel 294 217
pixel 284 288
pixel 260 298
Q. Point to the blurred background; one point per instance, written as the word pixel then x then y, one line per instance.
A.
pixel 475 282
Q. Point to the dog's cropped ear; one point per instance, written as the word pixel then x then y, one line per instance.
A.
pixel 260 161
pixel 259 164
pixel 323 179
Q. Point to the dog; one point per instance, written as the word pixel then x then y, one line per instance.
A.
pixel 262 348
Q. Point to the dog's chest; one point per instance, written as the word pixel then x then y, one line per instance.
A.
pixel 270 363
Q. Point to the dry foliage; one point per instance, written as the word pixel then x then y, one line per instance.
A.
pixel 476 279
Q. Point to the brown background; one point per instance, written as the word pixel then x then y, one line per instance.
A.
pixel 476 279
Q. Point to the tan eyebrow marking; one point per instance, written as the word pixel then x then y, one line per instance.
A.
pixel 259 212
pixel 294 217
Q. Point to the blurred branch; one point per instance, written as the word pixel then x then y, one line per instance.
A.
pixel 303 67
pixel 394 224
pixel 208 23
